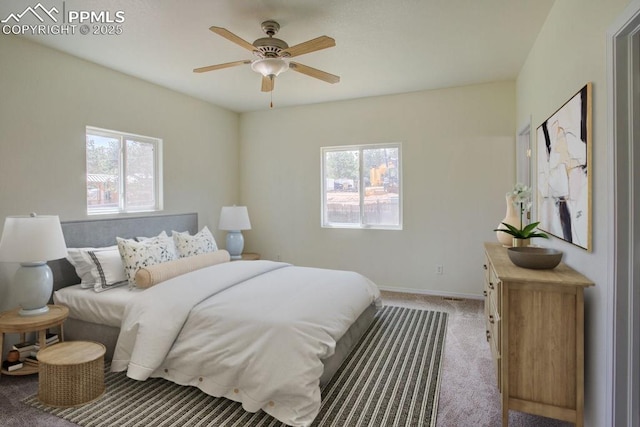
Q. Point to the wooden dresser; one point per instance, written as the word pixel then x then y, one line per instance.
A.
pixel 535 328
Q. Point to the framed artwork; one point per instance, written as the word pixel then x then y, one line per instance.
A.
pixel 564 171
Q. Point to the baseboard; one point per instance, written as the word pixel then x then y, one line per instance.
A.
pixel 431 293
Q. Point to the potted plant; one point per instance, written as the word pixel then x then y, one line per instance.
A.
pixel 521 197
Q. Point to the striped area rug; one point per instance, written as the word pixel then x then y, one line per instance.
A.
pixel 391 378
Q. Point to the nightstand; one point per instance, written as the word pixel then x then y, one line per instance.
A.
pixel 12 323
pixel 248 256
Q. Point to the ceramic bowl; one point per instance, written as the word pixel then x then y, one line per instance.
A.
pixel 535 257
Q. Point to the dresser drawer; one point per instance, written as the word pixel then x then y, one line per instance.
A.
pixel 493 326
pixel 487 307
pixel 493 337
pixel 486 267
pixel 492 317
pixel 493 292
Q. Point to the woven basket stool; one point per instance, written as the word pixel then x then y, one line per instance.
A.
pixel 71 373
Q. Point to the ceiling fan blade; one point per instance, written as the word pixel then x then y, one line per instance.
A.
pixel 319 43
pixel 267 83
pixel 314 72
pixel 232 37
pixel 220 66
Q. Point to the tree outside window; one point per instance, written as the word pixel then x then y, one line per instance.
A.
pixel 123 172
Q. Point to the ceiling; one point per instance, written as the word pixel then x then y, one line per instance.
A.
pixel 382 46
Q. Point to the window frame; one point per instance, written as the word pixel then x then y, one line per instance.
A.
pixel 122 207
pixel 324 223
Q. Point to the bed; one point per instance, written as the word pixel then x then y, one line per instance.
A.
pixel 226 339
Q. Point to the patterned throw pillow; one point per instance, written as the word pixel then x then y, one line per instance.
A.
pixel 200 243
pixel 152 251
pixel 98 268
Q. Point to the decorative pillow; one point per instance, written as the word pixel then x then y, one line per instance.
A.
pixel 163 234
pixel 136 255
pixel 98 268
pixel 154 274
pixel 200 243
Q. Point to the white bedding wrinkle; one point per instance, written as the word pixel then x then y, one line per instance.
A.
pixel 255 332
pixel 153 319
pixel 102 308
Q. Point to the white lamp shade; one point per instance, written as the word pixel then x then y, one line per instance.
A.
pixel 234 218
pixel 32 239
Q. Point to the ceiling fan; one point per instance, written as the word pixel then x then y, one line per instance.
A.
pixel 273 55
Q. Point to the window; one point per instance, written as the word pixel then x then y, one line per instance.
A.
pixel 361 186
pixel 124 172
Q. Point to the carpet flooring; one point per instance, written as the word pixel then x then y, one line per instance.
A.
pixel 468 394
pixel 374 386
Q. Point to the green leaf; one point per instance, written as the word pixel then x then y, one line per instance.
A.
pixel 527 232
pixel 543 235
pixel 511 230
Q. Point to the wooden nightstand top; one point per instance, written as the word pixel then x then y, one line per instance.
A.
pixel 12 322
pixel 249 256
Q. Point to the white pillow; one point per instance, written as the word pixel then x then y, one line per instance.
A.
pixel 200 243
pixel 136 255
pixel 98 268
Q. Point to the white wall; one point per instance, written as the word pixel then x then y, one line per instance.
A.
pixel 46 100
pixel 457 149
pixel 568 53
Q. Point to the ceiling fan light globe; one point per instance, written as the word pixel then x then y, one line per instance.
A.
pixel 269 66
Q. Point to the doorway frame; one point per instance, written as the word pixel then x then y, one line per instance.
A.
pixel 623 306
pixel 524 147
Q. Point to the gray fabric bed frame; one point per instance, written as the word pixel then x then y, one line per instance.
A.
pixel 103 232
pixel 97 233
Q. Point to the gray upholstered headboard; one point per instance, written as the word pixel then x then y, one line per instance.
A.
pixel 103 232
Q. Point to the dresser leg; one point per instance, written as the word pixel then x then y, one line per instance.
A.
pixel 1 349
pixel 505 416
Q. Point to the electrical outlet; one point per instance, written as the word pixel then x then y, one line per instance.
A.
pixel 439 269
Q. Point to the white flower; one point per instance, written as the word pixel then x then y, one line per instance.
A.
pixel 521 194
pixel 520 187
pixel 521 199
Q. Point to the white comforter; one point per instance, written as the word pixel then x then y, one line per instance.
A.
pixel 252 331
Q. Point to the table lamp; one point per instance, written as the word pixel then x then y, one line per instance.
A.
pixel 234 219
pixel 32 241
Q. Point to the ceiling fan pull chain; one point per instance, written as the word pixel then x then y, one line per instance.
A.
pixel 271 93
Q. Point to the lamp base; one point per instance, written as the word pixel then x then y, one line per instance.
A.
pixel 32 286
pixel 34 312
pixel 235 244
